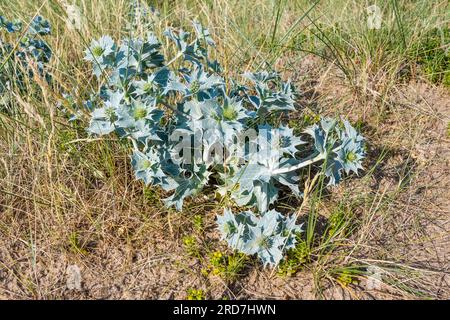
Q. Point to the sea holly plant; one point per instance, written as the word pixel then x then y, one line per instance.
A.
pixel 191 127
pixel 266 235
pixel 25 53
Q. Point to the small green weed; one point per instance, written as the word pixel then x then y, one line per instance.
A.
pixel 198 223
pixel 195 294
pixel 295 259
pixel 190 244
pixel 228 267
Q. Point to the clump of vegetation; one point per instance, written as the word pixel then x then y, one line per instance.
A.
pixel 195 294
pixel 24 55
pixel 295 259
pixel 228 267
pixel 198 223
pixel 341 223
pixel 433 54
pixel 190 244
pixel 190 126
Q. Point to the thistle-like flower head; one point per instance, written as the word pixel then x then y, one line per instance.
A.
pixel 199 82
pixel 352 150
pixel 100 50
pixel 147 166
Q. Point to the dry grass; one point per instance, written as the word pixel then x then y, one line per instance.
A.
pixel 66 199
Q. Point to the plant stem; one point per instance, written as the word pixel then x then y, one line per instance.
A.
pixel 179 55
pixel 305 163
